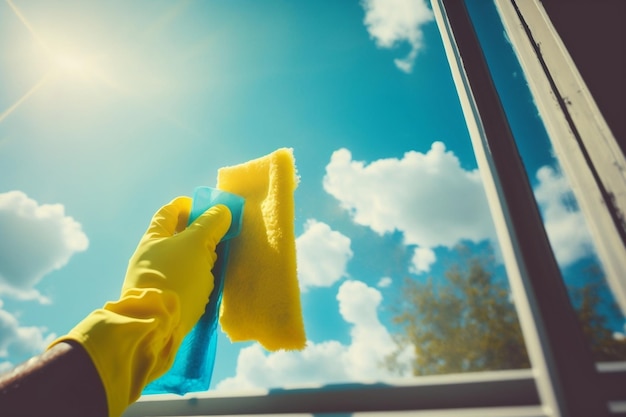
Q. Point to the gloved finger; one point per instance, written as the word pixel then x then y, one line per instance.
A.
pixel 212 225
pixel 167 220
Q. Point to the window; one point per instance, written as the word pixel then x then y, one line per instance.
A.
pixel 420 239
pixel 578 224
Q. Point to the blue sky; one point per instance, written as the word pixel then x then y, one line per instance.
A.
pixel 110 109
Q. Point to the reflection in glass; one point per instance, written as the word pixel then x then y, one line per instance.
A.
pixel 601 319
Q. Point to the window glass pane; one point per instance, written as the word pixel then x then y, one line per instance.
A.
pixel 567 229
pixel 109 110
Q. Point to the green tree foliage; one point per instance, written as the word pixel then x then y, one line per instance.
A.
pixel 466 321
pixel 461 323
pixel 605 345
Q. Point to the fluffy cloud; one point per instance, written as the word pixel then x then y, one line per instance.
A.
pixel 329 361
pixel 322 255
pixel 19 341
pixel 428 197
pixel 391 22
pixel 384 282
pixel 422 259
pixel 564 223
pixel 370 340
pixel 36 239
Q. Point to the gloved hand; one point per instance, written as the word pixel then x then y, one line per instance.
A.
pixel 134 340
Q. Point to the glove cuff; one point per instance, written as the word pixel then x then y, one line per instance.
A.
pixel 131 342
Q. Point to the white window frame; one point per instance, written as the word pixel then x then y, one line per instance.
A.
pixel 582 140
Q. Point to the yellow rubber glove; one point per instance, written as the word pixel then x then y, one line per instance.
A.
pixel 134 340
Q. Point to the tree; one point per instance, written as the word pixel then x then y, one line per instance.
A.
pixel 466 321
pixel 463 322
pixel 594 316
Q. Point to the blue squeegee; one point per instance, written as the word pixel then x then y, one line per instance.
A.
pixel 193 365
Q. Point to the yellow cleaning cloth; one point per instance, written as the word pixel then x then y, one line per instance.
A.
pixel 261 298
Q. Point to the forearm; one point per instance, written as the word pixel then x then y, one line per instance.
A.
pixel 61 381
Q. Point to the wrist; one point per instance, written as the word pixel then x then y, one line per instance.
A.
pixel 131 342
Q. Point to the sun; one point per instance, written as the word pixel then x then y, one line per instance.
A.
pixel 62 61
pixel 78 64
pixel 73 65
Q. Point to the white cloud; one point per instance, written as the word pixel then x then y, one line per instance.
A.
pixel 358 303
pixel 391 22
pixel 564 223
pixel 328 361
pixel 384 282
pixel 315 365
pixel 35 240
pixel 422 259
pixel 322 255
pixel 20 341
pixel 428 197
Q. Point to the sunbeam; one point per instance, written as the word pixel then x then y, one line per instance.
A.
pixel 83 64
pixel 63 61
pixel 28 26
pixel 44 80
